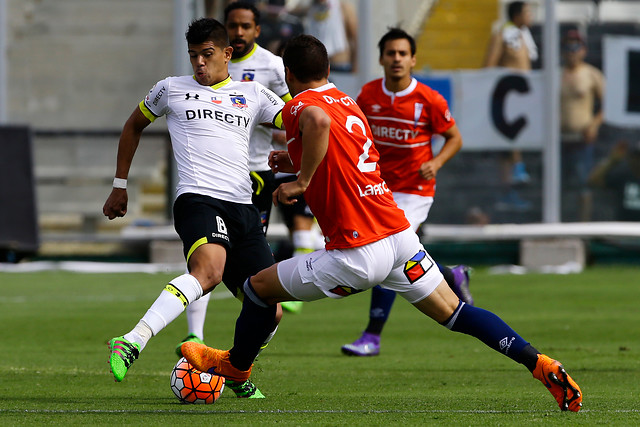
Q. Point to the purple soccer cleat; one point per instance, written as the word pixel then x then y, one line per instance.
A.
pixel 367 345
pixel 461 283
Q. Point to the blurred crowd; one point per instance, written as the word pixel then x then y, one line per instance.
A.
pixel 334 22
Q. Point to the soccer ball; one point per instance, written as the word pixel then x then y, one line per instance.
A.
pixel 193 386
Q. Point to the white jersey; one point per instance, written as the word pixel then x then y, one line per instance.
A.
pixel 325 22
pixel 514 37
pixel 264 67
pixel 210 128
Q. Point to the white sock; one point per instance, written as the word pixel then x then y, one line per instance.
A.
pixel 170 303
pixel 303 242
pixel 141 334
pixel 318 238
pixel 196 314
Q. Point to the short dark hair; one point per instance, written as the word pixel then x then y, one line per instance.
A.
pixel 514 9
pixel 242 5
pixel 396 34
pixel 306 57
pixel 207 29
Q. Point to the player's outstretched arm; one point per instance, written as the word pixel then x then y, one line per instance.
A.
pixel 452 144
pixel 116 204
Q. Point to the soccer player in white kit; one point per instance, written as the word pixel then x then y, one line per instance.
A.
pixel 210 119
pixel 249 62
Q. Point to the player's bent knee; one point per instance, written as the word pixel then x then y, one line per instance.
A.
pixel 440 304
pixel 207 265
pixel 268 288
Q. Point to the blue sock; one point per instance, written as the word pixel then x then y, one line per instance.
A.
pixel 381 303
pixel 489 329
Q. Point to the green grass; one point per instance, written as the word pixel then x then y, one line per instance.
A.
pixel 55 326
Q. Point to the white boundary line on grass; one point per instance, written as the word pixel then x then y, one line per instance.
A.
pixel 311 411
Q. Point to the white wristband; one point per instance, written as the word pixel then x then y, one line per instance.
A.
pixel 120 183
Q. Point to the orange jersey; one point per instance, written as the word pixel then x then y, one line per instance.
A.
pixel 402 124
pixel 347 195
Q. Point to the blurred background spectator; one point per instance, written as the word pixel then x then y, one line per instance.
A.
pixel 581 95
pixel 334 23
pixel 512 46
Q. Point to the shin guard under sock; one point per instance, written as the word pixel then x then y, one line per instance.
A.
pixel 256 321
pixel 488 328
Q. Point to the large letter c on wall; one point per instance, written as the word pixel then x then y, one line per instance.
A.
pixel 502 89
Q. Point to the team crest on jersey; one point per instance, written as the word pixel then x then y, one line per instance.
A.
pixel 147 97
pixel 238 101
pixel 345 291
pixel 417 266
pixel 216 99
pixel 417 111
pixel 296 108
pixel 248 75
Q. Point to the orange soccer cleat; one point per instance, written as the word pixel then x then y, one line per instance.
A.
pixel 213 361
pixel 563 388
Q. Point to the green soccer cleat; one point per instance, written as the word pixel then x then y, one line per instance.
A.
pixel 188 338
pixel 294 307
pixel 122 355
pixel 245 390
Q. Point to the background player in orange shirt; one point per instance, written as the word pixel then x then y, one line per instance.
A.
pixel 368 239
pixel 404 114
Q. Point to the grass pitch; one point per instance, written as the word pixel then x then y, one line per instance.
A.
pixel 55 326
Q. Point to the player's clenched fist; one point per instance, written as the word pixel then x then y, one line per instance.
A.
pixel 116 204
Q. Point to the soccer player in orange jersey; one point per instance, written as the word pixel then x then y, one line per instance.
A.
pixel 404 114
pixel 368 239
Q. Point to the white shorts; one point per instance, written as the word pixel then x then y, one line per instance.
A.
pixel 398 262
pixel 416 208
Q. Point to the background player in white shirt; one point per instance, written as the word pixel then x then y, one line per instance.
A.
pixel 210 119
pixel 249 62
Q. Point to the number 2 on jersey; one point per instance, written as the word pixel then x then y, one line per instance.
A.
pixel 363 165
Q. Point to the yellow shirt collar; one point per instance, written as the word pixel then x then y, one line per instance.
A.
pixel 248 55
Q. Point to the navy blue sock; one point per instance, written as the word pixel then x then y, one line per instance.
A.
pixel 381 303
pixel 256 321
pixel 491 330
pixel 448 275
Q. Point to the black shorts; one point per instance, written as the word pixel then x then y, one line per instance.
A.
pixel 263 184
pixel 202 219
pixel 298 208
